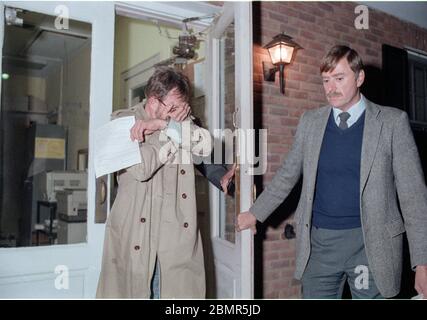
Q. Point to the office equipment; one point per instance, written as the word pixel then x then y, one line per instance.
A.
pixel 44 187
pixel 72 215
pixel 38 227
pixel 45 152
pixel 49 183
pixel 71 232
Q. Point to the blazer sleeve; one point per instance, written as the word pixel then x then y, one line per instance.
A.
pixel 284 180
pixel 411 189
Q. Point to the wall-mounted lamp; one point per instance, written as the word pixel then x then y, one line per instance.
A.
pixel 281 49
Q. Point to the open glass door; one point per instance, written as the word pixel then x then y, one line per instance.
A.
pixel 229 63
pixel 57 88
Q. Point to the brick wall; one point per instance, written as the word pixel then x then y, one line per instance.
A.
pixel 316 26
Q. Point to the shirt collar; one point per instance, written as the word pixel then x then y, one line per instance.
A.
pixel 355 111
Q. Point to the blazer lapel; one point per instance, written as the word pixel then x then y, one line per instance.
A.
pixel 371 135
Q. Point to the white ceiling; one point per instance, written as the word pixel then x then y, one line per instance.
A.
pixel 37 46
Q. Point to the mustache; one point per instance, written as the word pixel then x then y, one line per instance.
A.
pixel 334 95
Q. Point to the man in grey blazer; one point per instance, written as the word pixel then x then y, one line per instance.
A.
pixel 359 162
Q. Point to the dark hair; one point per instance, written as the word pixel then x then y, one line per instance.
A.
pixel 164 80
pixel 330 61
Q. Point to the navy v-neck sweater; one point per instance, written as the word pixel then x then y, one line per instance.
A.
pixel 336 202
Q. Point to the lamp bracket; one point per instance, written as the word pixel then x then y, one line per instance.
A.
pixel 269 70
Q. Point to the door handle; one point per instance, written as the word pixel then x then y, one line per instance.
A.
pixel 103 191
pixel 234 119
pixel 253 193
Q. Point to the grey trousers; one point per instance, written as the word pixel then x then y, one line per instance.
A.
pixel 338 256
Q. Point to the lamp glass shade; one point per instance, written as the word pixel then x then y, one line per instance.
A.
pixel 280 53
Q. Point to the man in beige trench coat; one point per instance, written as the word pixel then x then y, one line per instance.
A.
pixel 154 216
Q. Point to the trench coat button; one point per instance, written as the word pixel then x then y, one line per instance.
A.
pixel 184 196
pixel 143 220
pixel 186 225
pixel 182 171
pixel 137 247
pixel 306 225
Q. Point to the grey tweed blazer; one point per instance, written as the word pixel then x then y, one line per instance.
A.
pixel 390 170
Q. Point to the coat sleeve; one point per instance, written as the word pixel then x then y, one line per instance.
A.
pixel 160 149
pixel 284 180
pixel 155 152
pixel 411 189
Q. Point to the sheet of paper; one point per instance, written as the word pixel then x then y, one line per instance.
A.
pixel 114 149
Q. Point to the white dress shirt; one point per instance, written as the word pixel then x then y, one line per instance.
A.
pixel 355 112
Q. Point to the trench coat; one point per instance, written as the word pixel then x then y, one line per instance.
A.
pixel 154 215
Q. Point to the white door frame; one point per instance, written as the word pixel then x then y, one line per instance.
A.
pixel 236 259
pixel 169 14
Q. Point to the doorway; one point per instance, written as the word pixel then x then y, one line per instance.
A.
pixel 135 63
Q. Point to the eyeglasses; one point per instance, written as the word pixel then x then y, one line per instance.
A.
pixel 172 107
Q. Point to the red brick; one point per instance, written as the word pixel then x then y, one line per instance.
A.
pixel 306 86
pixel 287 273
pixel 317 46
pixel 364 43
pixel 372 52
pixel 309 69
pixel 307 34
pixel 271 295
pixel 312 53
pixel 271 275
pixel 377 32
pixel 278 110
pixel 273 159
pixel 280 284
pixel 288 11
pixel 294 75
pixel 292 122
pixel 349 39
pixel 369 36
pixel 326 7
pixel 279 264
pixel 296 94
pixel 272 256
pixel 273 139
pixel 307 17
pixel 278 17
pixel 287 253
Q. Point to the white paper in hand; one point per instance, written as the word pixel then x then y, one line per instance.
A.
pixel 114 150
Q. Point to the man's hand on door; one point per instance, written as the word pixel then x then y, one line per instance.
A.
pixel 246 220
pixel 227 178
